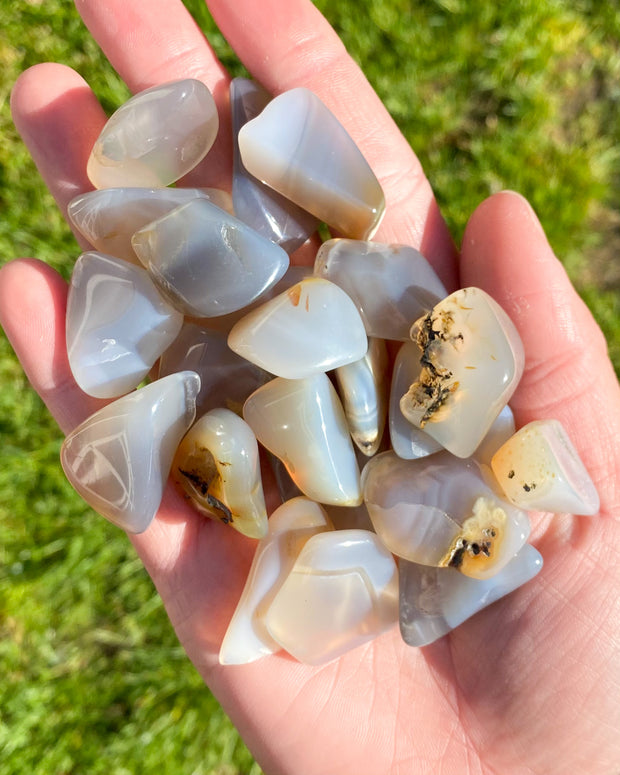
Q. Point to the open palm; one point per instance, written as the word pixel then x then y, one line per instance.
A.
pixel 531 684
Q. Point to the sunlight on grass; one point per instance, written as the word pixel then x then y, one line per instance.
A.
pixel 519 94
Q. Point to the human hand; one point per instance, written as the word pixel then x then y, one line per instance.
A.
pixel 529 684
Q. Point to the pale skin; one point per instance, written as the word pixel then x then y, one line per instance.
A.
pixel 530 685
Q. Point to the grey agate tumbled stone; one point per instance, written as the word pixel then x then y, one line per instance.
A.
pixel 155 137
pixel 117 325
pixel 207 262
pixel 434 601
pixel 118 460
pixel 262 208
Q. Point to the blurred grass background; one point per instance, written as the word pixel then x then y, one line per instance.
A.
pixel 518 94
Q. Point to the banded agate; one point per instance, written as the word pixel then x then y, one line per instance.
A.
pixel 539 468
pixel 341 593
pixel 391 285
pixel 441 511
pixel 433 601
pixel 226 380
pixel 302 422
pixel 156 137
pixel 109 217
pixel 472 360
pixel 207 262
pixel 118 460
pixel 299 148
pixel 290 527
pixel 267 212
pixel 117 325
pixel 311 328
pixel 217 467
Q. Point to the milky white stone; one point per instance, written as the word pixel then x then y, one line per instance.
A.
pixel 472 361
pixel 156 137
pixel 109 217
pixel 362 386
pixel 118 459
pixel 341 592
pixel 299 148
pixel 302 422
pixel 218 467
pixel 290 527
pixel 540 469
pixel 391 285
pixel 313 327
pixel 424 510
pixel 262 208
pixel 205 261
pixel 226 379
pixel 407 440
pixel 433 601
pixel 117 325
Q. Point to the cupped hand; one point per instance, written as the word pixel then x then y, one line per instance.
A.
pixel 531 684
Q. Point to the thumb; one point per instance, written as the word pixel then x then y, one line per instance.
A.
pixel 568 375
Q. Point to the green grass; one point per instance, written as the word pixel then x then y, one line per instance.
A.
pixel 521 95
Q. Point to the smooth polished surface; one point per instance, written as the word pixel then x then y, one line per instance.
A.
pixel 391 285
pixel 298 147
pixel 362 386
pixel 441 511
pixel 539 468
pixel 207 262
pixel 217 466
pixel 258 205
pixel 290 527
pixel 433 601
pixel 156 137
pixel 302 422
pixel 311 328
pixel 117 325
pixel 109 217
pixel 408 441
pixel 119 459
pixel 226 380
pixel 341 592
pixel 472 360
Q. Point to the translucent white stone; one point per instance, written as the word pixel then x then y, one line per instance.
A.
pixel 391 285
pixel 292 276
pixel 109 217
pixel 433 601
pixel 540 469
pixel 117 325
pixel 472 360
pixel 362 386
pixel 118 459
pixel 499 433
pixel 226 379
pixel 207 262
pixel 341 592
pixel 290 527
pixel 440 511
pixel 408 441
pixel 299 148
pixel 302 422
pixel 217 466
pixel 313 327
pixel 156 137
pixel 262 208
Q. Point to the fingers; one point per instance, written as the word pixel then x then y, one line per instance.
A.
pixel 33 300
pixel 568 375
pixel 59 119
pixel 151 43
pixel 288 43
